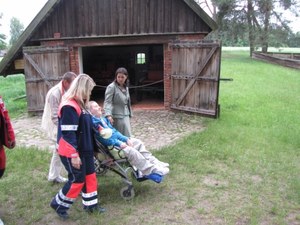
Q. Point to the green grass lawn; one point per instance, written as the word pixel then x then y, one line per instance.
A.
pixel 12 90
pixel 244 168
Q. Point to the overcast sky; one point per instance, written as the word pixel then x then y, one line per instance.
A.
pixel 26 10
pixel 23 10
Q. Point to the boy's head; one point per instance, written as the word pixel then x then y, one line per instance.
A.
pixel 95 109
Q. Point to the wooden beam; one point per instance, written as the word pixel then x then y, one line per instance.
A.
pixel 192 82
pixel 36 67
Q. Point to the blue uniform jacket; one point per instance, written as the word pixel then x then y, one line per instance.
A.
pixel 75 133
pixel 116 138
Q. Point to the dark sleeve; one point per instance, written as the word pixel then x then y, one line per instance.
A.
pixel 69 125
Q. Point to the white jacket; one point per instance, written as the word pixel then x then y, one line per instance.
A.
pixel 50 119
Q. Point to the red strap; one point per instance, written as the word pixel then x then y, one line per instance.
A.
pixel 72 103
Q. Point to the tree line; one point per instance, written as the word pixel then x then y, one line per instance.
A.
pixel 254 23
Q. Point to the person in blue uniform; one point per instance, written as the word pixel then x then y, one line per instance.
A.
pixel 76 147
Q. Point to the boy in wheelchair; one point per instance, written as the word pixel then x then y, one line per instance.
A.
pixel 134 149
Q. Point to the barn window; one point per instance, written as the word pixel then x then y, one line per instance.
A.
pixel 140 58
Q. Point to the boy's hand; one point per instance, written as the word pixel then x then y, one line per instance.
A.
pixel 123 145
pixel 129 142
pixel 111 120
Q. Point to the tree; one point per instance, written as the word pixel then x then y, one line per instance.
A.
pixel 250 26
pixel 260 19
pixel 16 29
pixel 2 37
pixel 294 40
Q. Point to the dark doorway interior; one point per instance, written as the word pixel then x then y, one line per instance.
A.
pixel 143 62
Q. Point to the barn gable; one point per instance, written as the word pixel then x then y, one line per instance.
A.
pixel 77 19
pixel 160 42
pixel 98 18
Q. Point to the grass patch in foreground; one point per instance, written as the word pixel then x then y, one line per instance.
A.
pixel 243 169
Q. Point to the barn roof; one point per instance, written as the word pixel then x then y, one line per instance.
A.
pixel 26 39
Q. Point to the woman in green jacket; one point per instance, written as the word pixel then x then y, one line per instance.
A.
pixel 117 104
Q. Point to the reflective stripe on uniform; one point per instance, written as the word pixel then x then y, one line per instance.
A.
pixel 61 202
pixel 91 202
pixel 63 197
pixel 89 195
pixel 69 127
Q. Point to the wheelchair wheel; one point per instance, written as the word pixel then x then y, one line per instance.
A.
pixel 127 192
pixel 100 170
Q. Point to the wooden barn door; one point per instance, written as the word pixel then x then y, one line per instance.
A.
pixel 44 67
pixel 195 77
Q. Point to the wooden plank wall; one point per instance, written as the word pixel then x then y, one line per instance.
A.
pixel 186 65
pixel 92 18
pixel 51 65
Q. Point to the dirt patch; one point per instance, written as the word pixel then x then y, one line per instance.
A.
pixel 156 128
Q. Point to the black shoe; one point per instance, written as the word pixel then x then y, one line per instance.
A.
pixel 97 209
pixel 63 215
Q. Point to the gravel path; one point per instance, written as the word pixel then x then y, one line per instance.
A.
pixel 156 128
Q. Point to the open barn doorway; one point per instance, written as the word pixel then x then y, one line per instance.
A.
pixel 143 62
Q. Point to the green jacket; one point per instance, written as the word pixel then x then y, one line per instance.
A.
pixel 117 103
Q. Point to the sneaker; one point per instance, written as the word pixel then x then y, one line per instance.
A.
pixel 1 223
pixel 59 179
pixel 62 214
pixel 161 170
pixel 98 209
pixel 155 177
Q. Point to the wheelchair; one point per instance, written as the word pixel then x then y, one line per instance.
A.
pixel 114 160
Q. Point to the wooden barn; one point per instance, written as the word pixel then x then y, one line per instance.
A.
pixel 160 42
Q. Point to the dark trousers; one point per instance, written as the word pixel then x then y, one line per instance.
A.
pixel 82 181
